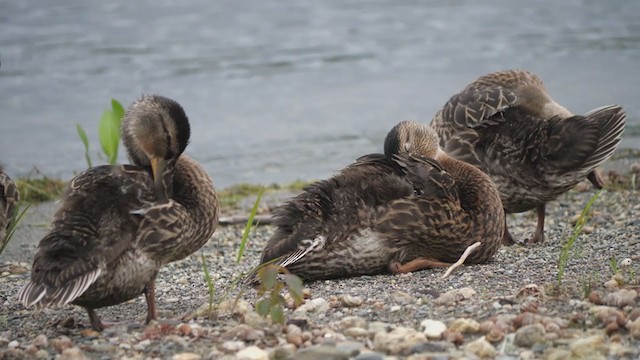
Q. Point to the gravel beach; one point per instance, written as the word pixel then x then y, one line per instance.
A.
pixel 510 308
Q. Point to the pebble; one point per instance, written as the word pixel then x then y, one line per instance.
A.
pixel 398 340
pixel 621 298
pixel 350 301
pixel 321 352
pixel 186 356
pixel 13 344
pixel 40 341
pixel 465 326
pixel 283 352
pixel 454 296
pixel 72 353
pixel 256 321
pixel 370 356
pixel 529 335
pixel 232 346
pixel 317 305
pixel 402 298
pixel 350 347
pixel 481 348
pixel 588 347
pixel 634 328
pixel 433 328
pixel 352 321
pixel 356 332
pixel 245 332
pixel 294 335
pixel 252 353
pixel 61 343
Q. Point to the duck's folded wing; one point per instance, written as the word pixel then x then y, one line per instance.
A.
pixel 90 230
pixel 474 107
pixel 9 198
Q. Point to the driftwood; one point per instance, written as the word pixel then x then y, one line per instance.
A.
pixel 242 219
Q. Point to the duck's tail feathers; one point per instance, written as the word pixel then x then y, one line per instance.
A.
pixel 612 120
pixel 39 295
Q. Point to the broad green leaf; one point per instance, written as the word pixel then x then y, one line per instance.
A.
pixel 294 284
pixel 247 227
pixel 85 141
pixel 118 110
pixel 277 314
pixel 108 132
pixel 268 276
pixel 262 307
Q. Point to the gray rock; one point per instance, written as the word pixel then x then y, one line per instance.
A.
pixel 321 352
pixel 529 335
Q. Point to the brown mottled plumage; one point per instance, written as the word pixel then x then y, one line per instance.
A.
pixel 118 225
pixel 9 198
pixel 534 149
pixel 399 212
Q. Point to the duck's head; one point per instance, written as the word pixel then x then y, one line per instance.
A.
pixel 155 132
pixel 411 137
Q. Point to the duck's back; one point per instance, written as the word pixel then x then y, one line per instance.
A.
pixel 533 160
pixel 341 210
pixel 89 237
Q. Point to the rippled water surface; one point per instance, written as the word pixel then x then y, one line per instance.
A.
pixel 284 90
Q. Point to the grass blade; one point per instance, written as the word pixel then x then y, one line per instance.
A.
pixel 247 228
pixel 17 217
pixel 577 230
pixel 85 141
pixel 207 277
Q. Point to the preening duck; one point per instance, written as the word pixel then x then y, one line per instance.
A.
pixel 118 225
pixel 408 209
pixel 534 149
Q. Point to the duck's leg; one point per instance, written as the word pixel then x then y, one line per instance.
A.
pixel 395 267
pixel 538 237
pixel 150 296
pixel 595 178
pixel 96 323
pixel 507 239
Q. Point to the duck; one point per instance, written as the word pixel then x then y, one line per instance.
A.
pixel 533 148
pixel 118 225
pixel 9 198
pixel 408 209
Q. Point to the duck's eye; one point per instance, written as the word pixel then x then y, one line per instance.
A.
pixel 418 192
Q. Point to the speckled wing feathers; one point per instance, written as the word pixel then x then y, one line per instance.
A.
pixel 9 198
pixel 91 229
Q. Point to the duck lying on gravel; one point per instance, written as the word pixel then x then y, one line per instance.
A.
pixel 119 224
pixel 9 198
pixel 411 208
pixel 534 149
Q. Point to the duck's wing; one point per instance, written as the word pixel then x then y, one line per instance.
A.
pixel 466 114
pixel 329 210
pixel 580 143
pixel 92 228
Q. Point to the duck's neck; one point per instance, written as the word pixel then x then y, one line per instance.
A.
pixel 477 190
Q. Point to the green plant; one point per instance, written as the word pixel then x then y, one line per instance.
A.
pixel 248 226
pixel 577 230
pixel 11 229
pixel 207 277
pixel 40 189
pixel 613 263
pixel 270 289
pixel 108 133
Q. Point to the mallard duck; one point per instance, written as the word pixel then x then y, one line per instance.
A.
pixel 9 198
pixel 533 148
pixel 118 225
pixel 408 209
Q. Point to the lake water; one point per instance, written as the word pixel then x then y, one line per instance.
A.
pixel 284 90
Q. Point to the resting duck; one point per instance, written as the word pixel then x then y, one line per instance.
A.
pixel 409 209
pixel 119 224
pixel 9 198
pixel 534 149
